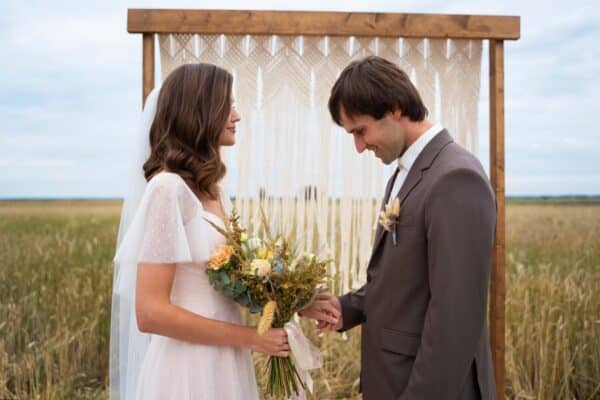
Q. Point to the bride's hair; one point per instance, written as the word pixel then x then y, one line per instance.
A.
pixel 193 107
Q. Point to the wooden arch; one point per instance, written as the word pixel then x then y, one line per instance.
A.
pixel 496 29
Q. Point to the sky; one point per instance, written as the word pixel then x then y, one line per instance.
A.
pixel 70 91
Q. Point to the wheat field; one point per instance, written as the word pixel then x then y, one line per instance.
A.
pixel 56 278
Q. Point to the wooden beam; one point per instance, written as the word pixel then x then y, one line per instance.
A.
pixel 498 278
pixel 323 23
pixel 147 65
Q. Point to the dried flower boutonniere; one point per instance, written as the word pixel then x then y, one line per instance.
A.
pixel 389 218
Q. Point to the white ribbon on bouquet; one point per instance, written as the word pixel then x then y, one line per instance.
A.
pixel 307 356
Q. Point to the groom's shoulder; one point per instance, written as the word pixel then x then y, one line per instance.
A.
pixel 455 157
pixel 454 161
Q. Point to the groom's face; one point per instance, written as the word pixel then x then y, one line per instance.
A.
pixel 384 137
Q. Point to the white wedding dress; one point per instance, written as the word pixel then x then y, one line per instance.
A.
pixel 170 226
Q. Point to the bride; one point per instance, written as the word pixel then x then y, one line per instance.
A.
pixel 172 335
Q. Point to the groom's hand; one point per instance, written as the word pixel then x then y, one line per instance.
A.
pixel 326 310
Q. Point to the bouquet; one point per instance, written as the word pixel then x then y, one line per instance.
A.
pixel 267 274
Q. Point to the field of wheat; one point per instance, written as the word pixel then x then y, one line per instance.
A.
pixel 56 278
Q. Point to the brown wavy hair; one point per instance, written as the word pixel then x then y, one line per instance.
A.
pixel 193 107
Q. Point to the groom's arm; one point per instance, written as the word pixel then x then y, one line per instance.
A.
pixel 352 304
pixel 460 217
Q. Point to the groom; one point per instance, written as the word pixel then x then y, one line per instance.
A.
pixel 423 308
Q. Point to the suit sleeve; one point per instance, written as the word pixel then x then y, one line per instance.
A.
pixel 460 217
pixel 353 308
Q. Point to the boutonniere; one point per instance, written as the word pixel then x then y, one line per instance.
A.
pixel 389 218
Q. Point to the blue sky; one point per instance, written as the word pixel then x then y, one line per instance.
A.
pixel 70 82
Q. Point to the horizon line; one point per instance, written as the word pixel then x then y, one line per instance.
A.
pixel 100 198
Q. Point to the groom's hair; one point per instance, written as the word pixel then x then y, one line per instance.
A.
pixel 375 86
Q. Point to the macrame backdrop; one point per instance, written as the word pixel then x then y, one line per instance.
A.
pixel 292 157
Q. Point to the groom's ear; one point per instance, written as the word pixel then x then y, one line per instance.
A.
pixel 397 114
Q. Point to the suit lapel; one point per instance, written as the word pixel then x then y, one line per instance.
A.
pixel 423 162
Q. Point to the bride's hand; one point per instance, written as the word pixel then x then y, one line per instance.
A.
pixel 273 342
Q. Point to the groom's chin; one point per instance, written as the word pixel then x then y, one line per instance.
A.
pixel 385 161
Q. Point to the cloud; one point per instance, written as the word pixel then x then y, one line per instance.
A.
pixel 71 77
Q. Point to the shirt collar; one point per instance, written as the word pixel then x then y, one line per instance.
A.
pixel 409 157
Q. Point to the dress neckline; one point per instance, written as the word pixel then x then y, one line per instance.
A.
pixel 208 213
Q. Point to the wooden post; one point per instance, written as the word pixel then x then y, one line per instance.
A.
pixel 147 65
pixel 498 278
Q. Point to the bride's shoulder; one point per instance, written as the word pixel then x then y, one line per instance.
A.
pixel 171 187
pixel 164 178
pixel 170 182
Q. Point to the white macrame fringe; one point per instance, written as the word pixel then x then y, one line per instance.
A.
pixel 290 154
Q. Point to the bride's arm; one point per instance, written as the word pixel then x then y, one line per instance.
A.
pixel 156 314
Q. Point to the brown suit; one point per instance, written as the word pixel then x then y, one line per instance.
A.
pixel 423 308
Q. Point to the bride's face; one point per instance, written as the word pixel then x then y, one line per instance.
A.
pixel 227 137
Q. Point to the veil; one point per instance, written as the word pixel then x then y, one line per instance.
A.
pixel 127 344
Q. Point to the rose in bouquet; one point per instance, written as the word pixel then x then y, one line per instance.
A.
pixel 268 275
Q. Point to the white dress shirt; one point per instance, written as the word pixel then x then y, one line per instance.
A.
pixel 406 161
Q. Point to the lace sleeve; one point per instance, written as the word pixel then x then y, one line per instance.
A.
pixel 165 238
pixel 164 229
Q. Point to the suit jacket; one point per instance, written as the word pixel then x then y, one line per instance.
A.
pixel 423 308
